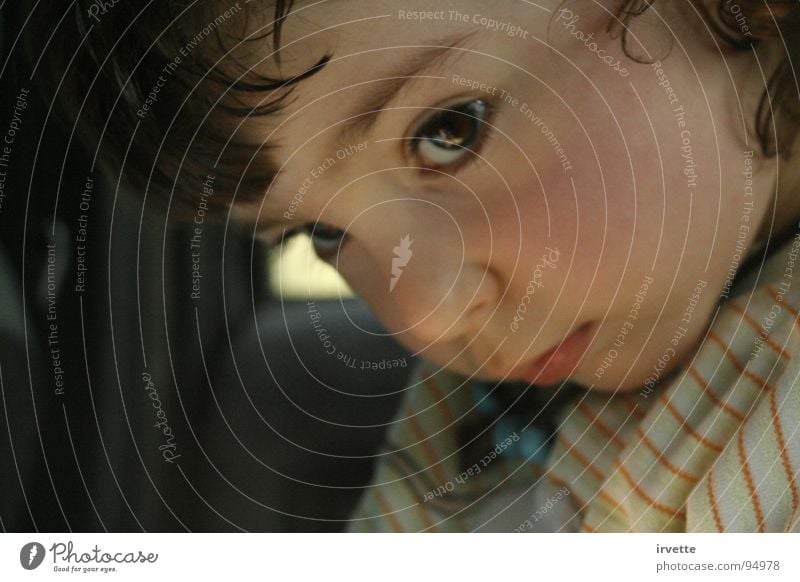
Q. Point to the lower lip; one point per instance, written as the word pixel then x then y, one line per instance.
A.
pixel 561 361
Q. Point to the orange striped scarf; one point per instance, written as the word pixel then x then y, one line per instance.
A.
pixel 713 447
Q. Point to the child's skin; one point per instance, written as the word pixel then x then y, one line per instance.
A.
pixel 480 229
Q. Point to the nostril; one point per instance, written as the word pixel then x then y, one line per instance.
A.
pixel 487 295
pixel 435 329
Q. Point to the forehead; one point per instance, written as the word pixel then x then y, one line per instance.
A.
pixel 365 37
pixel 375 47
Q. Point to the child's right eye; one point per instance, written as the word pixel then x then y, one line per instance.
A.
pixel 447 139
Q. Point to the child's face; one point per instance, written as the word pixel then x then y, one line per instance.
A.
pixel 590 196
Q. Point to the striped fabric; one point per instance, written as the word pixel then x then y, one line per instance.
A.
pixel 714 447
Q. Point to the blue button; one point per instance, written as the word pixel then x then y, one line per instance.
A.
pixel 532 444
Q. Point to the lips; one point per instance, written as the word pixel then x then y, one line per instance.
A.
pixel 561 360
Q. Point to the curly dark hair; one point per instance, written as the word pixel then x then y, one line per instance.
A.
pixel 743 24
pixel 154 92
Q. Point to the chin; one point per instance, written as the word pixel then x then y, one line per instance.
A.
pixel 621 378
pixel 609 384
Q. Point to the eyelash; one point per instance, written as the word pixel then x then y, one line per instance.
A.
pixel 413 144
pixel 470 152
pixel 306 229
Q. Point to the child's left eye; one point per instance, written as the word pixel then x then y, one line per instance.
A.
pixel 449 136
pixel 326 239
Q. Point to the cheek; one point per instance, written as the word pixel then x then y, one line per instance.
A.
pixel 606 224
pixel 586 213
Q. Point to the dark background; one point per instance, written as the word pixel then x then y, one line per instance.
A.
pixel 273 433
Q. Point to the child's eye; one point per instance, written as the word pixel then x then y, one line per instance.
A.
pixel 449 136
pixel 326 239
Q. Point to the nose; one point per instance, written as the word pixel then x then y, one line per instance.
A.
pixel 426 272
pixel 440 296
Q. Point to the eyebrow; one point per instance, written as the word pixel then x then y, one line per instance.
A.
pixel 368 107
pixel 382 92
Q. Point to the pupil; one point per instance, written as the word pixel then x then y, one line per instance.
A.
pixel 453 129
